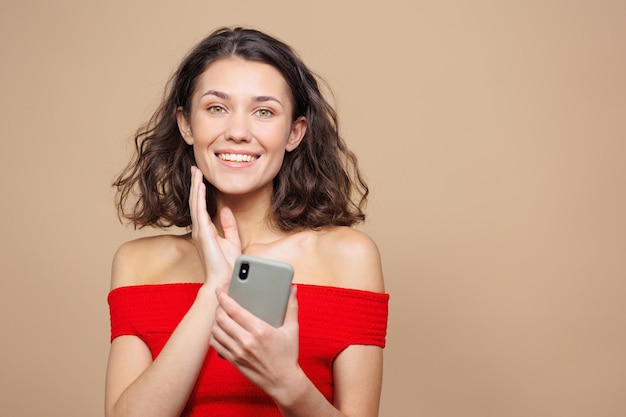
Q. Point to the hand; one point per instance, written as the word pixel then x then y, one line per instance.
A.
pixel 266 355
pixel 218 253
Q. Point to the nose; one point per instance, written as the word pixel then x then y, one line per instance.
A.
pixel 238 129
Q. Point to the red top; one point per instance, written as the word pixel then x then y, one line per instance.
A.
pixel 330 320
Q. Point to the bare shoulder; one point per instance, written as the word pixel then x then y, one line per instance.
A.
pixel 155 260
pixel 354 258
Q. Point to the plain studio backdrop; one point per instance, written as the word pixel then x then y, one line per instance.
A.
pixel 493 137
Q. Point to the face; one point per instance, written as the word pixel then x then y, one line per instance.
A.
pixel 240 125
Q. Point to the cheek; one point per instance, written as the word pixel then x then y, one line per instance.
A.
pixel 278 137
pixel 278 159
pixel 204 125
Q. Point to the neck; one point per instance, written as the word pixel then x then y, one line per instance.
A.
pixel 252 213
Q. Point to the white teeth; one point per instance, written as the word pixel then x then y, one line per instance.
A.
pixel 236 157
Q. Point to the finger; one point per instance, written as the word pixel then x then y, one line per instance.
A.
pixel 192 196
pixel 195 196
pixel 221 350
pixel 291 315
pixel 205 229
pixel 229 225
pixel 221 340
pixel 200 199
pixel 241 317
pixel 228 334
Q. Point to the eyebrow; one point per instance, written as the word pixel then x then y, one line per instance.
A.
pixel 224 96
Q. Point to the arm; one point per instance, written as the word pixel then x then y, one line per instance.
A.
pixel 269 357
pixel 358 380
pixel 138 386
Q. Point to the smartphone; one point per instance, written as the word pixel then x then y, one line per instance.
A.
pixel 262 286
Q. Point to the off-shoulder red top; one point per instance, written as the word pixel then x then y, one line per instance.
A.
pixel 330 320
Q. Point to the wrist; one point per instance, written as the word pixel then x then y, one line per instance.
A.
pixel 291 391
pixel 214 280
pixel 206 293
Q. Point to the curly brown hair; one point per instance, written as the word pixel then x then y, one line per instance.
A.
pixel 319 183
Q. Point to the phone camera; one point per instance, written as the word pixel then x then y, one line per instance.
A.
pixel 243 271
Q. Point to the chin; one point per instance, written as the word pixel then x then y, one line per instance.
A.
pixel 235 189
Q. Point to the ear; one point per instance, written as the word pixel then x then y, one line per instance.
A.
pixel 298 129
pixel 184 126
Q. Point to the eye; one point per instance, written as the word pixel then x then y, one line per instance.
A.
pixel 216 109
pixel 264 113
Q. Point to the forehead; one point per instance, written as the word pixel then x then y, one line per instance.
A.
pixel 240 77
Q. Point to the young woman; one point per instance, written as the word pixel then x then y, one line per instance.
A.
pixel 245 151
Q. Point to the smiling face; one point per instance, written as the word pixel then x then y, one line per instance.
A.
pixel 240 124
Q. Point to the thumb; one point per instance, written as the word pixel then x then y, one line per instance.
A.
pixel 229 225
pixel 291 315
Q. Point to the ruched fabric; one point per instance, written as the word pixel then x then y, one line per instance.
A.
pixel 330 320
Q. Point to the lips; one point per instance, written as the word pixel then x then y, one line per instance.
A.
pixel 237 157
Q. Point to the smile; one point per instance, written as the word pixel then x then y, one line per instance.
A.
pixel 236 157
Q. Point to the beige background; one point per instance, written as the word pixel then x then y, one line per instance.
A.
pixel 493 135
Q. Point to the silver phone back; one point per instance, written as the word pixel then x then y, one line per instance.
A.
pixel 265 290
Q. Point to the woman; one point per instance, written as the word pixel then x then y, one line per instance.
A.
pixel 245 151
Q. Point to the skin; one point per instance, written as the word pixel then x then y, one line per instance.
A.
pixel 241 107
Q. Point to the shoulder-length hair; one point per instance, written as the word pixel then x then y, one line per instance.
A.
pixel 319 183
